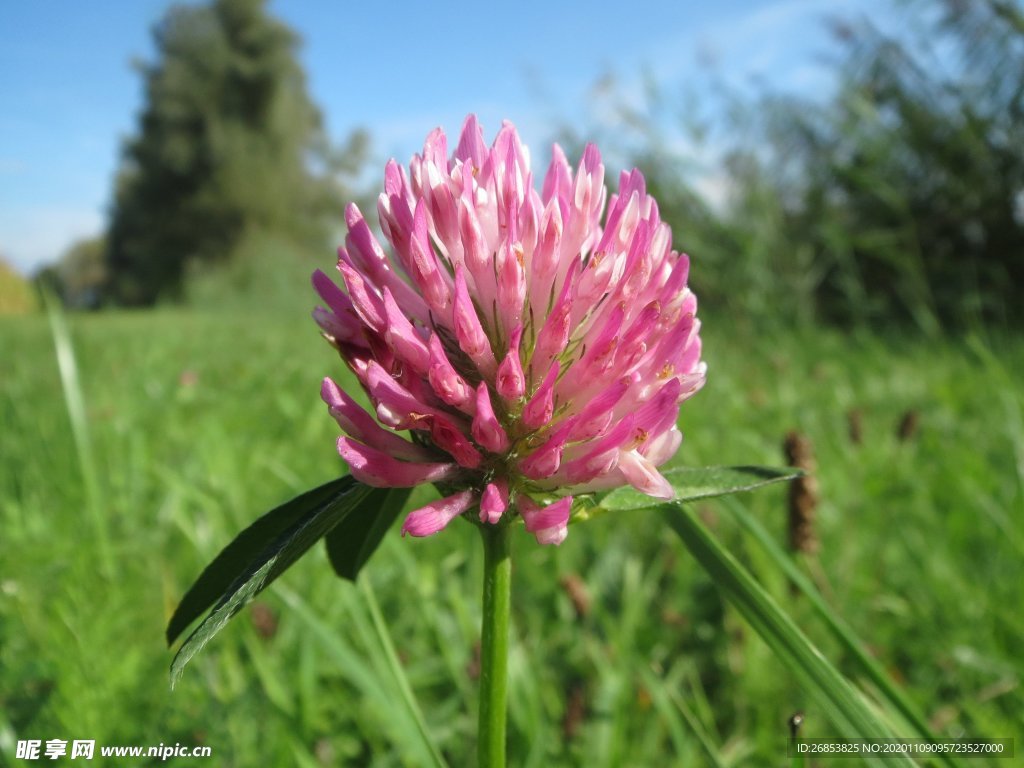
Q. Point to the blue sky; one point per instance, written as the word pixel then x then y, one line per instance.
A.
pixel 70 95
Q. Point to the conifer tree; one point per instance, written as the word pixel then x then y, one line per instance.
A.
pixel 226 144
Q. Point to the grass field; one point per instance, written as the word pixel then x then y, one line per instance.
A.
pixel 623 653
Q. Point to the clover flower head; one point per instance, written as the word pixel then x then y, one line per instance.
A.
pixel 532 350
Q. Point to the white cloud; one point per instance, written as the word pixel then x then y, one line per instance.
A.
pixel 715 188
pixel 31 236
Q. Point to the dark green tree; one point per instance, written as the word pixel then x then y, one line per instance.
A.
pixel 897 199
pixel 228 143
pixel 910 188
pixel 80 276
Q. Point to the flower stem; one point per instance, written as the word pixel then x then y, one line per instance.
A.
pixel 494 645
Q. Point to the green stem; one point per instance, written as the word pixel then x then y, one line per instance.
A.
pixel 494 645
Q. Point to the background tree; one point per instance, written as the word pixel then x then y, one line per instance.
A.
pixel 909 185
pixel 898 199
pixel 229 143
pixel 80 276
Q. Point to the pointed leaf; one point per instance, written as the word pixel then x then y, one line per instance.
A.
pixel 236 556
pixel 354 540
pixel 319 518
pixel 845 705
pixel 694 483
pixel 851 644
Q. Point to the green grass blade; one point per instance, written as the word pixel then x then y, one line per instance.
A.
pixel 365 669
pixel 870 668
pixel 668 701
pixel 405 690
pixel 74 401
pixel 844 705
pixel 268 565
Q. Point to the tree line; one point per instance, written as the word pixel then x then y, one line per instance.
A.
pixel 900 199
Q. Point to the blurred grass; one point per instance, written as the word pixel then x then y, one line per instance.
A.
pixel 199 421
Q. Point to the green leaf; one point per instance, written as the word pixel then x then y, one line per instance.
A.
pixel 852 646
pixel 845 705
pixel 352 542
pixel 236 556
pixel 315 514
pixel 693 483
